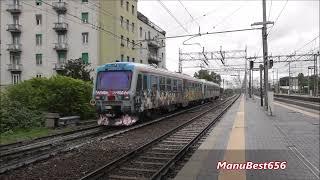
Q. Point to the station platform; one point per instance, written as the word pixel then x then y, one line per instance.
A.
pixel 246 134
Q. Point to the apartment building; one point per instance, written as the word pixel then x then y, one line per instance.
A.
pixel 39 36
pixel 119 45
pixel 151 42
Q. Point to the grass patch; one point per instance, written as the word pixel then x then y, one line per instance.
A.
pixel 23 134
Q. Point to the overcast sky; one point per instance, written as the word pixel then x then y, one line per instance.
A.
pixel 297 25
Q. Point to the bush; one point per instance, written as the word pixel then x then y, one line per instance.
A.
pixel 60 94
pixel 14 115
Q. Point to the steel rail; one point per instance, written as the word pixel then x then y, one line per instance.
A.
pixel 59 150
pixel 106 169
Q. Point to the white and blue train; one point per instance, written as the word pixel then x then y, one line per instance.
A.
pixel 125 91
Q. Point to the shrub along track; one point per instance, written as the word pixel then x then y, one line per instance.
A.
pixel 89 155
pixel 154 159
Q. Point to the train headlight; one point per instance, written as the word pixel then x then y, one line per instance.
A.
pixel 126 97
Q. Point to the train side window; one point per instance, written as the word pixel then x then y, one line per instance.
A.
pixel 145 82
pixel 154 83
pixel 139 83
pixel 162 84
pixel 174 87
pixel 168 84
pixel 179 85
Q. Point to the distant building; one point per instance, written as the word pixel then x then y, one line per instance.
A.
pixel 152 46
pixel 38 37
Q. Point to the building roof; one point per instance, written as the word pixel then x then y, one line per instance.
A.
pixel 146 20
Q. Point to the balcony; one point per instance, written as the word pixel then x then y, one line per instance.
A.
pixel 14 8
pixel 61 46
pixel 14 28
pixel 14 48
pixel 60 7
pixel 153 59
pixel 15 67
pixel 59 66
pixel 60 27
pixel 154 44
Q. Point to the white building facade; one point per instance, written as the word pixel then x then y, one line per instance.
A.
pixel 152 38
pixel 37 37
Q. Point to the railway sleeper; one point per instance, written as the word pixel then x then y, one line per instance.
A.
pixel 147 165
pixel 159 155
pixel 170 145
pixel 122 177
pixel 132 172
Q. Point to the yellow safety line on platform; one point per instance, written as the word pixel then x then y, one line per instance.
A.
pixel 235 152
pixel 298 110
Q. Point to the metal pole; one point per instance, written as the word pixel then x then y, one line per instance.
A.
pixel 308 82
pixel 180 62
pixel 273 79
pixel 278 81
pixel 245 74
pixel 261 94
pixel 250 84
pixel 315 76
pixel 289 80
pixel 265 53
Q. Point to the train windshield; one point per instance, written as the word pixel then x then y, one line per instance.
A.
pixel 114 80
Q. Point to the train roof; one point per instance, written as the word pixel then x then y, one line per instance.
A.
pixel 152 69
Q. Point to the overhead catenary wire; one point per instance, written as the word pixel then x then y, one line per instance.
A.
pixel 278 17
pixel 193 20
pixel 170 13
pixel 208 33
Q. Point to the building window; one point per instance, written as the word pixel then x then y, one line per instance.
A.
pixel 140 32
pixel 127 42
pixel 161 56
pixel 15 78
pixel 122 44
pixel 38 19
pixel 149 35
pixel 132 27
pixel 38 2
pixel 85 38
pixel 132 9
pixel 122 57
pixel 61 57
pixel 38 39
pixel 133 59
pixel 121 21
pixel 133 44
pixel 38 59
pixel 15 19
pixel 121 3
pixel 128 24
pixel 127 7
pixel 85 17
pixel 84 1
pixel 145 35
pixel 128 58
pixel 85 58
pixel 39 75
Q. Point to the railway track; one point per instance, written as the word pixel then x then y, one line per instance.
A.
pixel 154 159
pixel 19 154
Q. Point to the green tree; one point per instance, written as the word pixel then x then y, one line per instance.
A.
pixel 301 81
pixel 204 74
pixel 77 69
